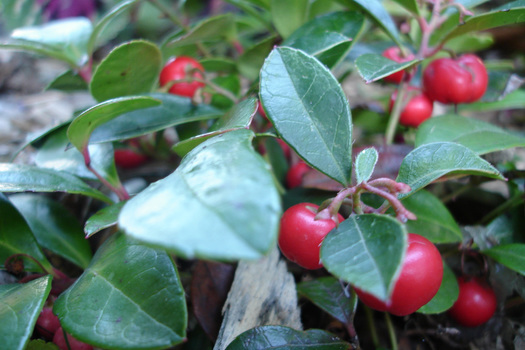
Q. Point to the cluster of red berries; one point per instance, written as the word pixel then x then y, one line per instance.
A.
pixel 446 80
pixel 300 238
pixel 48 325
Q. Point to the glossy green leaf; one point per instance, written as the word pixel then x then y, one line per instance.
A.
pixel 446 295
pixel 512 100
pixel 130 297
pixel 21 304
pixel 55 153
pixel 410 5
pixel 239 117
pixel 481 137
pixel 377 12
pixel 365 163
pixel 68 81
pixel 309 110
pixel 328 37
pixel 511 255
pixel 251 61
pixel 373 67
pixel 19 13
pixel 174 110
pixel 431 161
pixel 434 220
pixel 511 15
pixel 284 338
pixel 54 227
pixel 210 29
pixel 104 218
pixel 220 203
pixel 328 294
pixel 64 39
pixel 129 69
pixel 22 177
pixel 103 23
pixel 289 15
pixel 82 127
pixel 367 251
pixel 16 237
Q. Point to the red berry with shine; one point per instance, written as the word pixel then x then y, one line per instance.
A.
pixel 476 302
pixel 300 235
pixel 74 344
pixel 179 68
pixel 419 280
pixel 416 110
pixel 47 323
pixel 453 81
pixel 294 176
pixel 394 53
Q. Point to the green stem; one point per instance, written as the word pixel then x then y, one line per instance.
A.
pixel 371 326
pixel 396 112
pixel 391 331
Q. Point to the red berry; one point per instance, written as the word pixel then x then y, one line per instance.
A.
pixel 47 323
pixel 419 280
pixel 476 302
pixel 394 53
pixel 416 110
pixel 178 69
pixel 294 176
pixel 453 81
pixel 74 344
pixel 300 235
pixel 127 158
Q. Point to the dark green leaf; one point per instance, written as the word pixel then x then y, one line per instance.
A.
pixel 16 238
pixel 434 221
pixel 365 163
pixel 328 37
pixel 21 178
pixel 174 110
pixel 446 295
pixel 481 137
pixel 81 127
pixel 130 297
pixel 373 67
pixel 56 154
pixel 68 81
pixel 511 255
pixel 54 227
pixel 309 110
pixel 251 61
pixel 21 304
pixel 239 117
pixel 220 203
pixel 431 161
pixel 104 218
pixel 211 29
pixel 64 39
pixel 103 23
pixel 375 10
pixel 284 338
pixel 129 69
pixel 328 294
pixel 511 15
pixel 289 15
pixel 366 251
